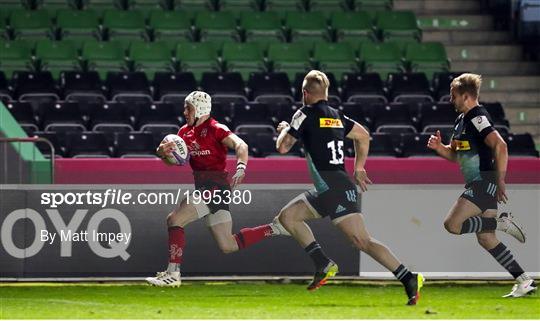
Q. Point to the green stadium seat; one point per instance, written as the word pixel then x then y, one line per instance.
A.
pixel 290 58
pixel 262 26
pixel 307 26
pixel 10 5
pixel 197 58
pixel 338 58
pixel 327 7
pixel 193 5
pixel 353 26
pixel 52 6
pixel 147 5
pixel 216 26
pixel 125 26
pixel 78 25
pixel 382 58
pixel 150 57
pixel 104 57
pixel 28 24
pixel 101 6
pixel 284 6
pixel 372 4
pixel 15 55
pixel 398 25
pixel 243 58
pixel 427 57
pixel 56 56
pixel 239 5
pixel 170 25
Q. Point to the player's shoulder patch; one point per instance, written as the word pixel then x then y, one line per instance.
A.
pixel 480 122
pixel 297 119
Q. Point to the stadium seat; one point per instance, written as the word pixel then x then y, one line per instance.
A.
pixel 224 87
pixel 80 86
pixel 373 5
pixel 197 58
pixel 270 87
pixel 392 118
pixel 124 26
pixel 363 88
pixel 56 139
pixel 61 117
pixel 78 25
pixel 147 5
pixel 397 26
pixel 9 5
pixel 110 117
pixel 409 87
pixel 427 57
pixel 262 26
pixel 290 58
pixel 307 27
pixel 216 26
pixel 87 144
pixel 56 56
pixel 361 113
pixel 252 114
pixel 157 115
pixel 103 57
pixel 15 56
pixel 382 58
pixel 283 112
pixel 131 87
pixel 137 145
pixel 243 58
pixel 338 58
pixel 34 86
pixel 381 144
pixel 174 87
pixel 193 5
pixel 353 27
pixel 521 145
pixel 150 57
pixel 415 145
pixel 441 84
pixel 328 6
pixel 284 6
pixel 222 113
pixel 434 114
pixel 172 26
pixel 5 91
pixel 101 5
pixel 264 145
pixel 23 114
pixel 31 24
pixel 239 5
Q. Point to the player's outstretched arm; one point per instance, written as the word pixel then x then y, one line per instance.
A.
pixel 241 149
pixel 500 153
pixel 445 151
pixel 360 137
pixel 284 141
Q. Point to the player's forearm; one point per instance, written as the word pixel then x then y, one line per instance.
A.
pixel 242 153
pixel 501 160
pixel 446 152
pixel 361 150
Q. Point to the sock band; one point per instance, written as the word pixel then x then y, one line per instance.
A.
pixel 505 258
pixel 477 224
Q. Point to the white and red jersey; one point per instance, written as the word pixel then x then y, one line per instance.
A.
pixel 204 142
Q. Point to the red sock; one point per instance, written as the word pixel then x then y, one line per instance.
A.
pixel 251 235
pixel 176 244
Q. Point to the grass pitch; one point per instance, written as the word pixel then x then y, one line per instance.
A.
pixel 222 300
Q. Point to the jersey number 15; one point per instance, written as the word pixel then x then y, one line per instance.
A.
pixel 336 147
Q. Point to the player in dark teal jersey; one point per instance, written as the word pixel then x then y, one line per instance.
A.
pixel 483 156
pixel 323 130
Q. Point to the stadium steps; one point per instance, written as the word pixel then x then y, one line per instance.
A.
pixel 438 6
pixel 498 68
pixel 468 37
pixel 480 52
pixel 455 22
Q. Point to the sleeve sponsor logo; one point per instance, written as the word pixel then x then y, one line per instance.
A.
pixel 297 119
pixel 480 122
pixel 462 145
pixel 330 123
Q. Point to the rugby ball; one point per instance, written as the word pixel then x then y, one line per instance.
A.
pixel 180 154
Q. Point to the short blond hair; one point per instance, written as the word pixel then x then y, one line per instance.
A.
pixel 316 82
pixel 467 84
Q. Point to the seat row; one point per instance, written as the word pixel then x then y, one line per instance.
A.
pixel 224 87
pixel 129 145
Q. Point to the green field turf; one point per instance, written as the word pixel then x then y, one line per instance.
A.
pixel 260 301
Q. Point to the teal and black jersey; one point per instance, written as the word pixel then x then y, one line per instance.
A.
pixel 474 156
pixel 323 130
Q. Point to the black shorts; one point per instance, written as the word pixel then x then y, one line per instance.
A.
pixel 482 194
pixel 334 203
pixel 213 185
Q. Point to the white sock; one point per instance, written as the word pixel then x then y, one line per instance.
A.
pixel 522 278
pixel 173 267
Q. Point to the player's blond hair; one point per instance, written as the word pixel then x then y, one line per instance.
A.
pixel 467 84
pixel 316 82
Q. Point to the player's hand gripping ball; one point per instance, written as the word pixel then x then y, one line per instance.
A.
pixel 176 153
